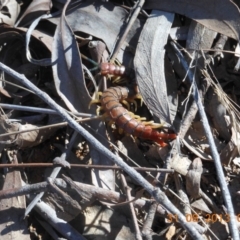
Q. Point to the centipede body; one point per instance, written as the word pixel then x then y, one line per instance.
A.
pixel 110 102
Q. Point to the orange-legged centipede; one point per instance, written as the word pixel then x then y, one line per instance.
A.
pixel 110 102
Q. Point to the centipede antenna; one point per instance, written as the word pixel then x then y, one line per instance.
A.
pixel 93 69
pixel 89 60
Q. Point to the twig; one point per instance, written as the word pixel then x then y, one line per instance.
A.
pixel 147 226
pixel 60 225
pixel 184 205
pixel 219 45
pixel 62 162
pixel 209 202
pixel 49 229
pixel 96 192
pixel 155 192
pixel 224 188
pixel 61 124
pixel 191 114
pixel 129 198
pixel 65 197
pixel 36 199
pixel 76 165
pixel 128 27
pixel 40 110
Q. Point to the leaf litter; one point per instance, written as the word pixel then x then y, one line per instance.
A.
pixel 181 63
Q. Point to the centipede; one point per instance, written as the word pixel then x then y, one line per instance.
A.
pixel 110 102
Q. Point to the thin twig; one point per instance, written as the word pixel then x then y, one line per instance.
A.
pixel 184 205
pixel 60 225
pixel 75 165
pixel 60 160
pixel 40 110
pixel 56 125
pixel 65 197
pixel 128 27
pixel 221 178
pixel 191 114
pixel 96 192
pixel 155 192
pixel 147 226
pixel 129 198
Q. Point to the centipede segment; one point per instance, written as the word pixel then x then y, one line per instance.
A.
pixel 111 69
pixel 110 102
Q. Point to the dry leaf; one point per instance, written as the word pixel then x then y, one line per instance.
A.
pixel 104 20
pixel 195 140
pixel 201 205
pixel 219 226
pixel 180 164
pixel 70 84
pixel 9 10
pixel 193 178
pixel 199 37
pixel 26 139
pixel 12 209
pixel 105 223
pixel 218 15
pixel 171 232
pixel 149 64
pixel 34 10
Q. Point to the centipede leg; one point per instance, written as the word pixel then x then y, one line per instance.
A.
pixel 96 100
pixel 134 103
pixel 137 117
pixel 111 123
pixel 157 125
pixel 126 103
pixel 98 110
pixel 161 143
pixel 93 102
pixel 139 97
